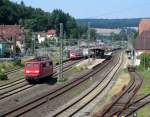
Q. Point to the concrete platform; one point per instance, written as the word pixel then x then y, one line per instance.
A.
pixel 90 63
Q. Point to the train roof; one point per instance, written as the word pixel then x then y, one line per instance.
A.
pixel 40 59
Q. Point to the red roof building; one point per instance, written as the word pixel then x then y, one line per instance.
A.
pixel 143 41
pixel 52 33
pixel 144 25
pixel 12 34
pixel 8 32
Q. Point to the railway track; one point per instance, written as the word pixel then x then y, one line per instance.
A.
pixel 42 99
pixel 78 104
pixel 123 99
pixel 137 104
pixel 15 71
pixel 21 80
pixel 11 89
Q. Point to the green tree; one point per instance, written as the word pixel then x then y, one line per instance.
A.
pixel 93 34
pixel 145 60
pixel 36 19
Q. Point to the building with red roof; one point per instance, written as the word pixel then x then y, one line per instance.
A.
pixel 12 35
pixel 142 42
pixel 51 33
pixel 144 25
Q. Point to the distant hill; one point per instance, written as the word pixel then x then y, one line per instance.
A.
pixel 110 23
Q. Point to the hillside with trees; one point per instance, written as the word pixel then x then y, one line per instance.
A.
pixel 36 19
pixel 110 23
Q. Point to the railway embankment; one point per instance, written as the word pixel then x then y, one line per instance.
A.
pixel 144 90
pixel 121 81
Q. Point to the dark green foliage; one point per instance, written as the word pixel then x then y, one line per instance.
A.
pixel 93 34
pixel 7 53
pixel 145 60
pixel 3 76
pixel 125 35
pixel 110 23
pixel 36 19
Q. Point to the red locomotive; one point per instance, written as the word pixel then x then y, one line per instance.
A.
pixel 38 68
pixel 75 54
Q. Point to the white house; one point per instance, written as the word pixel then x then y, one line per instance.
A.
pixel 41 36
pixel 50 34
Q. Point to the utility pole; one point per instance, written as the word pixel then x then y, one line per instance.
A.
pixel 33 41
pixel 61 52
pixel 89 36
pixel 122 43
pixel 112 42
pixel 64 43
pixel 144 55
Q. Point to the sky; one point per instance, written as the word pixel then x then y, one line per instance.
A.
pixel 112 9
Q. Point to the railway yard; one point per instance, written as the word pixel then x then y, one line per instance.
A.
pixel 74 58
pixel 78 96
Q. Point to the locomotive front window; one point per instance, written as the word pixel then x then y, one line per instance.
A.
pixel 29 65
pixel 36 65
pixel 50 63
pixel 44 65
pixel 47 64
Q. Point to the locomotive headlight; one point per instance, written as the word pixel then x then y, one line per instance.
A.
pixel 36 71
pixel 27 71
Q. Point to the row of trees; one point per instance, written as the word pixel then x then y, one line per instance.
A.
pixel 36 19
pixel 125 35
pixel 111 23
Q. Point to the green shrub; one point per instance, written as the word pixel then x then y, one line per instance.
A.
pixel 145 60
pixel 3 76
pixel 17 62
pixel 8 65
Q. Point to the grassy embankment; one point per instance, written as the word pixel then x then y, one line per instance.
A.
pixel 5 66
pixel 145 89
pixel 123 80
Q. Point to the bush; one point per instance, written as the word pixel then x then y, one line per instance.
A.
pixel 17 62
pixel 3 76
pixel 7 65
pixel 145 60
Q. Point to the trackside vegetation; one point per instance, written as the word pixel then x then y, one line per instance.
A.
pixel 6 66
pixel 144 71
